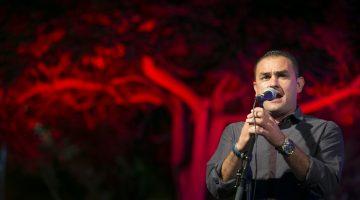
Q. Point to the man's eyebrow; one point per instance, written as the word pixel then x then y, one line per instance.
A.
pixel 264 73
pixel 282 72
pixel 276 72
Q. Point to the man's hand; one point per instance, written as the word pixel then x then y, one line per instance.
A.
pixel 265 125
pixel 244 137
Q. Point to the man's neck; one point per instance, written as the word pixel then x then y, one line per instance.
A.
pixel 279 116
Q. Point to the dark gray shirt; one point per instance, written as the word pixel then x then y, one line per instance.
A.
pixel 321 140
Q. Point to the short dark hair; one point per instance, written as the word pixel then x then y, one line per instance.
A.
pixel 276 53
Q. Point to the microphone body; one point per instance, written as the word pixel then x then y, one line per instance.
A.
pixel 268 95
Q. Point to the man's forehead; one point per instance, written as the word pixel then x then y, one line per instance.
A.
pixel 274 71
pixel 273 65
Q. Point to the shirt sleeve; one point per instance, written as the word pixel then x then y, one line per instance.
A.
pixel 325 168
pixel 216 186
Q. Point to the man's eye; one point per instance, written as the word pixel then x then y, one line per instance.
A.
pixel 283 75
pixel 264 77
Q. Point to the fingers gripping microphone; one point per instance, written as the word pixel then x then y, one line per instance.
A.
pixel 268 95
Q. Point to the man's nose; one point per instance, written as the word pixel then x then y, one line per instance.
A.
pixel 274 82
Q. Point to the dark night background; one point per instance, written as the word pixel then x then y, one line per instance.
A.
pixel 127 99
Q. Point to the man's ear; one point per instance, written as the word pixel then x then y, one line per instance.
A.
pixel 255 88
pixel 300 82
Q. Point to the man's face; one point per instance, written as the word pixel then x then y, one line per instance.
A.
pixel 277 72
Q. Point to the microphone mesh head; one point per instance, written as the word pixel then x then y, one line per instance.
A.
pixel 269 94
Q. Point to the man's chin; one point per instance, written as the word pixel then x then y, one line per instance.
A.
pixel 274 110
pixel 271 107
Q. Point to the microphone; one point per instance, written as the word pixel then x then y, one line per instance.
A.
pixel 268 95
pixel 243 173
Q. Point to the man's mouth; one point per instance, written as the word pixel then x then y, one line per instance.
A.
pixel 278 96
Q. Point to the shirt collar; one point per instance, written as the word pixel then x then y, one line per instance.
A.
pixel 295 117
pixel 298 114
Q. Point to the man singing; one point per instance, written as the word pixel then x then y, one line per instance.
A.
pixel 295 156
